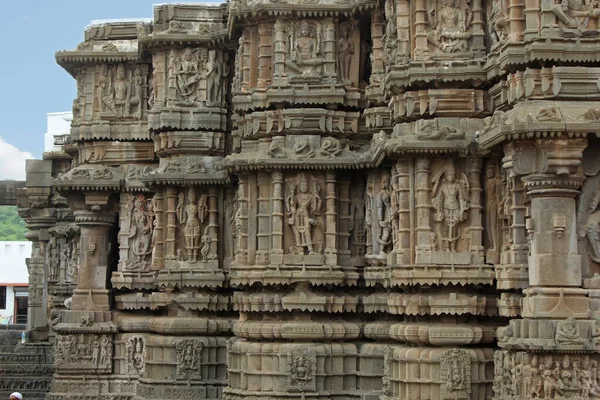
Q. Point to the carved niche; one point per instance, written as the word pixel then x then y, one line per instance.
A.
pixel 455 374
pixel 189 356
pixel 135 349
pixel 120 91
pixel 192 215
pixel 195 76
pixel 137 233
pixel 350 51
pixel 305 233
pixel 380 211
pixel 494 211
pixel 302 368
pixel 305 55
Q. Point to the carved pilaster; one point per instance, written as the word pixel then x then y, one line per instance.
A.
pixel 422 207
pixel 404 213
pixel 91 292
pixel 213 221
pixel 475 211
pixel 171 239
pixel 159 229
pixel 279 74
pixel 263 218
pixel 330 219
pixel 277 220
pixel 265 51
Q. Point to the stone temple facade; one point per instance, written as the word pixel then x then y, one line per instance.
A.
pixel 325 199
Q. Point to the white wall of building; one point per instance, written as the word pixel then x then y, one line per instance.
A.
pixel 59 123
pixel 13 272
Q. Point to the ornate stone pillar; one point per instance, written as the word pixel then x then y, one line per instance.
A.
pixel 159 217
pixel 403 31
pixel 263 219
pixel 475 211
pixel 277 219
pixel 265 51
pixel 91 292
pixel 422 206
pixel 554 261
pixel 343 214
pixel 242 221
pixel 421 25
pixel 330 219
pixel 213 219
pixel 171 239
pixel 279 51
pixel 516 20
pixel 404 215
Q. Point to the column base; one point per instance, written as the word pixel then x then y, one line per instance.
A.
pixel 561 302
pixel 90 299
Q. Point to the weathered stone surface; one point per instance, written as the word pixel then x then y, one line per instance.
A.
pixel 325 200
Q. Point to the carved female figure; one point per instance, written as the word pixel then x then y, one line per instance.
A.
pixel 105 351
pixel 213 77
pixel 141 230
pixel 205 250
pixel 187 75
pixel 357 224
pixel 384 207
pixel 493 192
pixel 345 53
pixel 191 216
pixel 52 259
pixel 302 209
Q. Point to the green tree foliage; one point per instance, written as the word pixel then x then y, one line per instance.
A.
pixel 12 227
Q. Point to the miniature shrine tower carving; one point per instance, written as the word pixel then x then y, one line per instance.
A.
pixel 350 199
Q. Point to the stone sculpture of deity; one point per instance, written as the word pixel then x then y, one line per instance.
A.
pixel 191 215
pixel 187 76
pixel 302 208
pixel 213 77
pixel 304 54
pixel 141 230
pixel 449 25
pixel 345 53
pixel 384 212
pixel 450 202
pixel 576 14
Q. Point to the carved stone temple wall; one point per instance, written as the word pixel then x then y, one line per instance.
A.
pixel 325 199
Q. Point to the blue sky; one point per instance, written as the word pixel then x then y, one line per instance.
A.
pixel 33 84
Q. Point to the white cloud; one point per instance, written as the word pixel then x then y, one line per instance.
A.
pixel 12 161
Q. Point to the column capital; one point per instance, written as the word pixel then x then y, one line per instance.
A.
pixel 553 185
pixel 95 217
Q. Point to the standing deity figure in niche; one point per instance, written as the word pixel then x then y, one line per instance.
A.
pixel 576 14
pixel 450 202
pixel 493 192
pixel 304 49
pixel 137 93
pixel 302 209
pixel 345 53
pixel 498 28
pixel 384 213
pixel 187 75
pixel 213 78
pixel 205 250
pixel 73 266
pixel 52 259
pixel 449 26
pixel 103 85
pixel 357 224
pixel 141 229
pixel 114 96
pixel 191 215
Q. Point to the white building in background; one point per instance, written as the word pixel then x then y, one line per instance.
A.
pixel 59 125
pixel 14 281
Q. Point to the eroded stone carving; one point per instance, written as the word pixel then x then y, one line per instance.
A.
pixel 455 373
pixel 450 202
pixel 135 348
pixel 301 370
pixel 141 216
pixel 303 205
pixel 450 24
pixel 191 214
pixel 189 356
